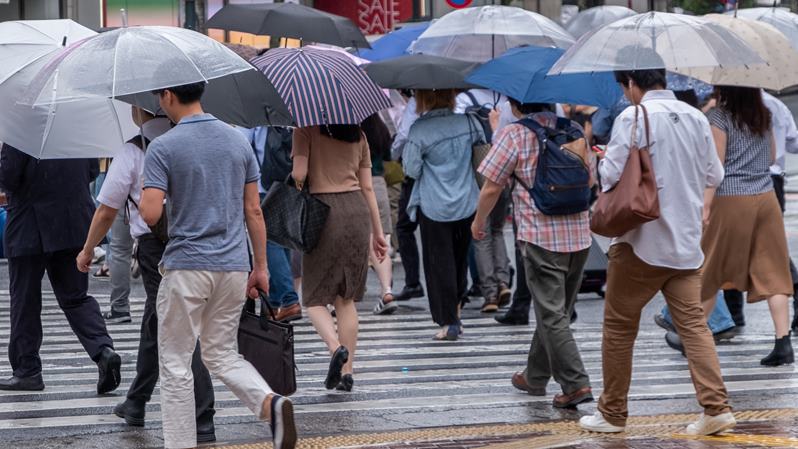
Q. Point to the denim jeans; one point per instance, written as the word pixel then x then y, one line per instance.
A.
pixel 720 320
pixel 281 280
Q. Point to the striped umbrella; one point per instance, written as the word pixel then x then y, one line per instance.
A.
pixel 321 87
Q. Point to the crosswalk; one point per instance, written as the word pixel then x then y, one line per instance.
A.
pixel 398 368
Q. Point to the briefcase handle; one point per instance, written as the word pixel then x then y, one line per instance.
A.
pixel 249 305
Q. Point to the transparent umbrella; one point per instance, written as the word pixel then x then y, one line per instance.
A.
pixel 88 128
pixel 656 40
pixel 596 17
pixel 781 70
pixel 482 33
pixel 781 18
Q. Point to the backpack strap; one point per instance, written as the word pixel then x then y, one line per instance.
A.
pixel 473 99
pixel 563 123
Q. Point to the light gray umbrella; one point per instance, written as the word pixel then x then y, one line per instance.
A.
pixel 595 18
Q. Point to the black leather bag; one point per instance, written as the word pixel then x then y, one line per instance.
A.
pixel 294 218
pixel 268 345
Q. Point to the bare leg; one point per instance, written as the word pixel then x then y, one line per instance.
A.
pixel 325 326
pixel 346 313
pixel 780 314
pixel 384 271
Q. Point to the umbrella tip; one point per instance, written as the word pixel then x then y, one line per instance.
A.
pixel 63 41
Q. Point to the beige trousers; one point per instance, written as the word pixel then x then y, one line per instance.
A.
pixel 205 305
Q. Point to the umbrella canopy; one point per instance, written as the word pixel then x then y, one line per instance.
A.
pixel 521 74
pixel 395 43
pixel 321 86
pixel 129 63
pixel 482 33
pixel 781 18
pixel 677 82
pixel 421 72
pixel 595 18
pixel 90 128
pixel 781 70
pixel 656 40
pixel 289 20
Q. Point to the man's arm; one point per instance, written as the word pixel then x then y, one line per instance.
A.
pixel 151 205
pixel 488 197
pixel 256 226
pixel 100 225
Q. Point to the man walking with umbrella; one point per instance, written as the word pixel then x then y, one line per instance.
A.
pixel 49 211
pixel 205 262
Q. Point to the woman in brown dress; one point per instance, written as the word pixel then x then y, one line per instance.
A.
pixel 335 162
pixel 744 241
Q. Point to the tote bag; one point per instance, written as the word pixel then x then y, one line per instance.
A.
pixel 294 218
pixel 634 200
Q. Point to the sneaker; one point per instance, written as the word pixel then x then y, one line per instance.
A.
pixel 385 308
pixel 282 423
pixel 597 423
pixel 505 295
pixel 491 305
pixel 663 323
pixel 116 317
pixel 711 425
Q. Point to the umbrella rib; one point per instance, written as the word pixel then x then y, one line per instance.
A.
pixel 186 55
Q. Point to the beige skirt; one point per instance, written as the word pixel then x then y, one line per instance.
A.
pixel 745 246
pixel 338 266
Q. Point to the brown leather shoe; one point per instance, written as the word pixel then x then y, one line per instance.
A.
pixel 505 295
pixel 579 396
pixel 290 313
pixel 519 382
pixel 491 305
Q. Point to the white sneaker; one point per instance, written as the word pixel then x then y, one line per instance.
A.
pixel 597 423
pixel 710 425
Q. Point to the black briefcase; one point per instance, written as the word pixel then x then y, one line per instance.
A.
pixel 294 218
pixel 268 345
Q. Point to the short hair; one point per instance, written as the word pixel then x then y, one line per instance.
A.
pixel 428 99
pixel 645 79
pixel 530 108
pixel 186 94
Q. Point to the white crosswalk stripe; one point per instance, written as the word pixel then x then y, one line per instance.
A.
pixel 395 353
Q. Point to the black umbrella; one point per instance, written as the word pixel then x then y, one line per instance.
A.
pixel 289 20
pixel 421 72
pixel 245 99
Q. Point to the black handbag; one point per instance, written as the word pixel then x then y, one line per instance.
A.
pixel 294 218
pixel 268 345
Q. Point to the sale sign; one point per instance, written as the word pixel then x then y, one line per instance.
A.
pixel 459 3
pixel 371 16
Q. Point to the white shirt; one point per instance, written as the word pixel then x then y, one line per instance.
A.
pixel 488 99
pixel 125 177
pixel 409 117
pixel 784 131
pixel 685 163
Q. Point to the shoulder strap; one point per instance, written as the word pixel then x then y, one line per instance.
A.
pixel 646 124
pixel 473 99
pixel 530 123
pixel 563 123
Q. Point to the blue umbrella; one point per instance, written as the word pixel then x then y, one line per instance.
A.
pixel 521 74
pixel 682 82
pixel 395 43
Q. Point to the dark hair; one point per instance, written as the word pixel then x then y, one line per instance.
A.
pixel 186 94
pixel 530 108
pixel 344 133
pixel 687 96
pixel 377 135
pixel 645 79
pixel 746 107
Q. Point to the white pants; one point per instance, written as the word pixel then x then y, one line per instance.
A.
pixel 205 305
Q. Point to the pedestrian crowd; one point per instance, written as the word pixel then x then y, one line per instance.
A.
pixel 183 204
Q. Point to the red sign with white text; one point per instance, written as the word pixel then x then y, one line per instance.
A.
pixel 372 16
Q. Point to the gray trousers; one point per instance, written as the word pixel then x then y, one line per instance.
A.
pixel 120 254
pixel 493 264
pixel 554 280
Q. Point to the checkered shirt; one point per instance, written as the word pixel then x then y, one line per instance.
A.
pixel 515 151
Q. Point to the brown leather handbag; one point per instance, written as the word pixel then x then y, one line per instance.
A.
pixel 634 200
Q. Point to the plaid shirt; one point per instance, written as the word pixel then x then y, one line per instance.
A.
pixel 515 151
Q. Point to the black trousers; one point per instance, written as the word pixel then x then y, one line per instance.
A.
pixel 406 235
pixel 522 298
pixel 71 291
pixel 445 251
pixel 149 255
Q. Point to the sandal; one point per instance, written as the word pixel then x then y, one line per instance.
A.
pixel 386 307
pixel 452 333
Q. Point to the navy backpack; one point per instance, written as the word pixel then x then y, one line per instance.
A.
pixel 562 179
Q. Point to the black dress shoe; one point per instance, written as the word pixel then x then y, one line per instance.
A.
pixel 31 383
pixel 347 382
pixel 109 366
pixel 132 412
pixel 410 292
pixel 512 319
pixel 337 362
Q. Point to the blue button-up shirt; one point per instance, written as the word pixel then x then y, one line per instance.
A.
pixel 438 156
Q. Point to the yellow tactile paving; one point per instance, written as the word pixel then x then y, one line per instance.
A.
pixel 556 433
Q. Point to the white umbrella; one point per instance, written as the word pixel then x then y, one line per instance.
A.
pixel 781 70
pixel 596 17
pixel 133 60
pixel 656 40
pixel 781 18
pixel 479 34
pixel 89 128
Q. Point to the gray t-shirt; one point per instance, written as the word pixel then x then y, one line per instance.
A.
pixel 203 164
